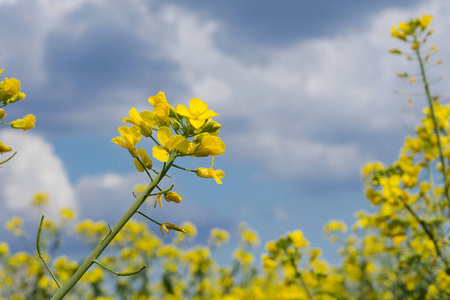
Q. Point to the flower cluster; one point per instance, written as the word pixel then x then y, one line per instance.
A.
pixel 180 132
pixel 10 93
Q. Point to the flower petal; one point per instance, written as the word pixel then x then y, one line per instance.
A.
pixel 197 106
pixel 164 134
pixel 179 143
pixel 160 153
pixel 183 110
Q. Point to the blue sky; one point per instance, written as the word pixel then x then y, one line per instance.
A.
pixel 304 89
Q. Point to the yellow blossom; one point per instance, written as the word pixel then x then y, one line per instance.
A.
pixel 40 199
pixel 10 91
pixel 144 120
pixel 425 20
pixel 210 145
pixel 297 239
pixel 172 197
pixel 67 214
pixel 4 148
pixel 197 113
pixel 2 114
pixel 160 106
pixel 26 123
pixel 210 172
pixel 168 144
pixel 128 139
pixel 145 159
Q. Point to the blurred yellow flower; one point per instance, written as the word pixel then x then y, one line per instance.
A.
pixel 4 148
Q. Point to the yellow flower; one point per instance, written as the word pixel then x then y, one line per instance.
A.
pixel 425 21
pixel 297 239
pixel 172 197
pixel 14 225
pixel 434 48
pixel 197 113
pixel 169 226
pixel 405 27
pixel 169 196
pixel 397 34
pixel 169 143
pixel 128 139
pixel 4 249
pixel 4 148
pixel 26 123
pixel 11 91
pixel 2 114
pixel 67 214
pixel 145 120
pixel 210 173
pixel 39 199
pixel 210 145
pixel 160 106
pixel 145 159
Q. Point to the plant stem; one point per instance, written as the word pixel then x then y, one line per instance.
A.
pixel 69 284
pixel 435 122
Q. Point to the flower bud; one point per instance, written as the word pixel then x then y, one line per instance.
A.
pixel 211 127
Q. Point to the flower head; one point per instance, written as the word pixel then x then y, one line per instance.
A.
pixel 10 91
pixel 168 144
pixel 210 173
pixel 160 106
pixel 210 145
pixel 128 139
pixel 172 197
pixel 197 113
pixel 26 123
pixel 145 120
pixel 4 148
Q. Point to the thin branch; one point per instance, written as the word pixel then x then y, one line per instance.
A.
pixel 119 273
pixel 38 246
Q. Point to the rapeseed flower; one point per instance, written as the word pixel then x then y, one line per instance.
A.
pixel 26 123
pixel 145 120
pixel 169 143
pixel 210 173
pixel 160 106
pixel 197 113
pixel 4 148
pixel 128 139
pixel 210 145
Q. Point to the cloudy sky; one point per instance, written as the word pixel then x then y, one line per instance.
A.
pixel 304 89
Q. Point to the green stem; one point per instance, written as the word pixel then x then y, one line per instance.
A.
pixel 181 168
pixel 38 247
pixel 69 284
pixel 298 274
pixel 145 216
pixel 429 234
pixel 436 128
pixel 120 273
pixel 2 162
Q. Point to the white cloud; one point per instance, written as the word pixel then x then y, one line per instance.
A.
pixel 291 102
pixel 35 168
